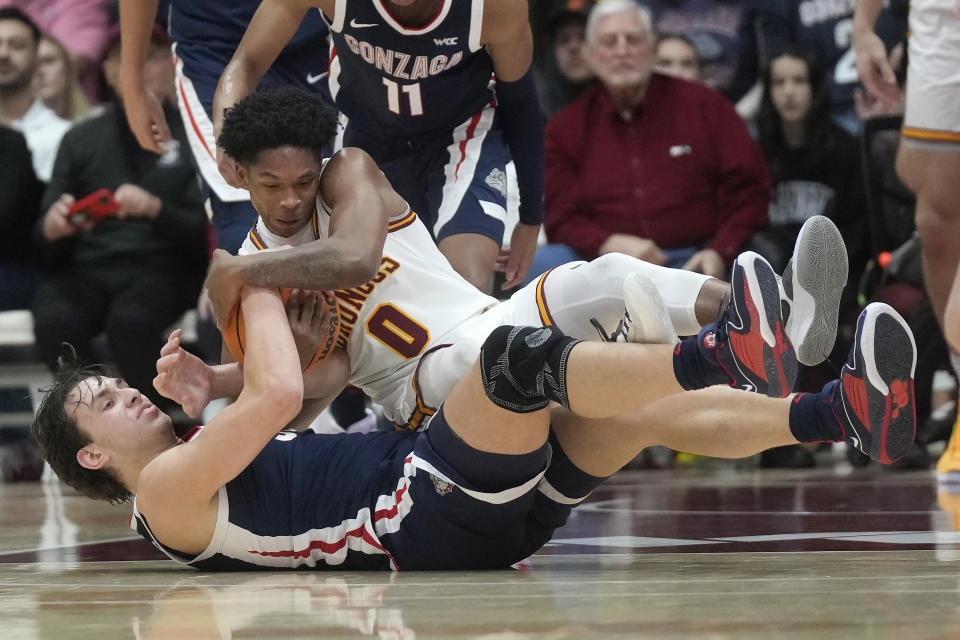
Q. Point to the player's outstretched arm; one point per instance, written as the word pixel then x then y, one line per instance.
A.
pixel 508 39
pixel 183 482
pixel 142 108
pixel 359 215
pixel 272 26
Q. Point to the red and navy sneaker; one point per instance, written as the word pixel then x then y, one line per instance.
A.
pixel 876 404
pixel 749 339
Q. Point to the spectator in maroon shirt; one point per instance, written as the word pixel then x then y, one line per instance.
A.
pixel 648 165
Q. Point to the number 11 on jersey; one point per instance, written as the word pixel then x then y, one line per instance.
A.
pixel 413 95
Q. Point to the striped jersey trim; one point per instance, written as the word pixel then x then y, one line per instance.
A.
pixel 261 244
pixel 403 222
pixel 193 121
pixel 931 134
pixel 256 239
pixel 551 492
pixel 422 410
pixel 542 305
pixel 437 20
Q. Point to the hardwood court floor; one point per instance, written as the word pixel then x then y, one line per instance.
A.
pixel 690 553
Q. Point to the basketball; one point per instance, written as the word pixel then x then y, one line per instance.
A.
pixel 233 332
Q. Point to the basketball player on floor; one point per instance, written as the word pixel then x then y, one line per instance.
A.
pixel 538 422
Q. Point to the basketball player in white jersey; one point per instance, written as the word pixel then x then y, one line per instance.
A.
pixel 928 158
pixel 414 326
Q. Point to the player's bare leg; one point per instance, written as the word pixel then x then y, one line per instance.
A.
pixel 472 256
pixel 491 428
pixel 932 176
pixel 719 422
pixel 618 399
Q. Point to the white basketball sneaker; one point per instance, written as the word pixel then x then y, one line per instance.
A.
pixel 810 289
pixel 645 317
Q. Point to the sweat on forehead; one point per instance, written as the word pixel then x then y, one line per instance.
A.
pixel 85 390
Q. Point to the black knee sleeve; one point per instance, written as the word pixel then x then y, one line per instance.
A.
pixel 524 368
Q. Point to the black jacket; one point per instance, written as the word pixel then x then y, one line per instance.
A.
pixel 103 153
pixel 20 193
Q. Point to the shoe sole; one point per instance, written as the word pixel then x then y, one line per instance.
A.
pixel 649 319
pixel 820 271
pixel 779 361
pixel 893 365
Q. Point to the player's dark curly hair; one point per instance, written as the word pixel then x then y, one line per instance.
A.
pixel 274 118
pixel 60 438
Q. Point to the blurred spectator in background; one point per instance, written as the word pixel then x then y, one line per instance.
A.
pixel 20 193
pixel 133 274
pixel 648 165
pixel 20 108
pixel 56 82
pixel 83 26
pixel 827 28
pixel 814 164
pixel 565 74
pixel 677 57
pixel 712 27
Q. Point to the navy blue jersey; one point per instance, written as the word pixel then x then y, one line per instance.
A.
pixel 308 500
pixel 407 83
pixel 211 30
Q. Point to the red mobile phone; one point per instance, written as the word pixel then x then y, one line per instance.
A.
pixel 95 206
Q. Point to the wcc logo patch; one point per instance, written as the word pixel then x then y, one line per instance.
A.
pixel 497 180
pixel 442 486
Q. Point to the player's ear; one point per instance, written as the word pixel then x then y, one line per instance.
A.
pixel 91 457
pixel 242 175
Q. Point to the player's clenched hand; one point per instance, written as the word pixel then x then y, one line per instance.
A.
pixel 309 323
pixel 223 285
pixel 515 262
pixel 183 377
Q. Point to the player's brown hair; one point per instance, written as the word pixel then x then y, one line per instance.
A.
pixel 60 438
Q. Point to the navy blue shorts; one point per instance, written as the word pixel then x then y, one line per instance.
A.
pixel 471 509
pixel 456 183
